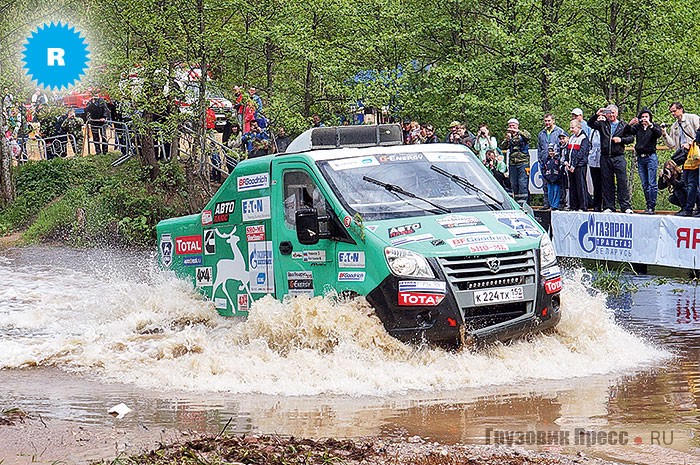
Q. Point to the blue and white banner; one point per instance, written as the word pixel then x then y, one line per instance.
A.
pixel 651 239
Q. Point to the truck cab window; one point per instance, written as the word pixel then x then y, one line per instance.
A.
pixel 300 192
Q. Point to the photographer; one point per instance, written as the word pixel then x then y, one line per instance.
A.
pixel 612 157
pixel 680 137
pixel 517 143
pixel 484 142
pixel 647 133
pixel 670 178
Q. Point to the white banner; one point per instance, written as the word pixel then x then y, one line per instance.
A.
pixel 651 239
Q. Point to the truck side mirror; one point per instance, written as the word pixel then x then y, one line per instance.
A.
pixel 307 226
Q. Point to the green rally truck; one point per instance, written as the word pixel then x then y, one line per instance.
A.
pixel 424 232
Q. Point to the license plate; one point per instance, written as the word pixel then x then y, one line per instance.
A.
pixel 504 294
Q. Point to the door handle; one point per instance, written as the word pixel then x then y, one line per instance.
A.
pixel 286 247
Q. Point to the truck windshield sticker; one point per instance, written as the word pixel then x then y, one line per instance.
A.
pixel 404 229
pixel 209 242
pixel 166 250
pixel 446 156
pixel 188 245
pixel 351 259
pixel 223 210
pixel 408 239
pixel 358 276
pixel 350 163
pixel 252 182
pixel 401 158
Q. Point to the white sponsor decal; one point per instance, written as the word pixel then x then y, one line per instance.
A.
pixel 351 276
pixel 260 265
pixel 300 275
pixel 243 302
pixel 351 259
pixel 209 242
pixel 301 293
pixel 220 302
pixel 254 181
pixel 314 255
pixel 255 233
pixel 297 255
pixel 407 239
pixel 203 276
pixel 255 209
pixel 166 249
pixel 206 217
pixel 477 248
pixel 350 163
pixel 423 286
pixel 465 241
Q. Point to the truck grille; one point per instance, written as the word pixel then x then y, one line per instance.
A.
pixel 475 272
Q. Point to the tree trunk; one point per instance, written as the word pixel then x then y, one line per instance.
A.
pixel 147 154
pixel 7 187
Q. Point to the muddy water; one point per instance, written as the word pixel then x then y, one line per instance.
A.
pixel 81 331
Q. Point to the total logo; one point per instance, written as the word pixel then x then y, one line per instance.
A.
pixel 187 245
pixel 553 285
pixel 255 181
pixel 421 293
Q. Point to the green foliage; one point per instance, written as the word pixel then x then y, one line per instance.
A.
pixel 613 281
pixel 84 201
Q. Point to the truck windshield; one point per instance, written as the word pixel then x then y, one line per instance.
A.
pixel 412 172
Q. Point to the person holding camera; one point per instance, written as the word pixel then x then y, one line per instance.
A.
pixel 484 142
pixel 613 167
pixel 679 138
pixel 517 143
pixel 647 134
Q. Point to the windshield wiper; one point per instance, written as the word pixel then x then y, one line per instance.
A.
pixel 402 191
pixel 465 184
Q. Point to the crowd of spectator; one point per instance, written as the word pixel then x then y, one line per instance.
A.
pixel 589 152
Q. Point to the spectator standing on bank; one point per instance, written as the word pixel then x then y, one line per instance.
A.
pixel 8 101
pixel 517 143
pixel 671 177
pixel 496 167
pixel 577 159
pixel 232 138
pixel 679 138
pixel 647 134
pixel 256 141
pixel 316 122
pixel 97 116
pixel 553 171
pixel 485 142
pixel 38 99
pixel 613 166
pixel 548 135
pixel 577 114
pixel 282 140
pixel 73 126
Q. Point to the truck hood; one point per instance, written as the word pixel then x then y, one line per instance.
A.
pixel 472 233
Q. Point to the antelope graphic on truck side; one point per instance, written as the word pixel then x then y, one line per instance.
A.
pixel 232 269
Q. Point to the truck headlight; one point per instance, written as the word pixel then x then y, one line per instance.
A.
pixel 547 254
pixel 407 264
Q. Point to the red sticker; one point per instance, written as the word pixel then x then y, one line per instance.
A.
pixel 347 221
pixel 420 298
pixel 206 217
pixel 553 285
pixel 187 245
pixel 255 233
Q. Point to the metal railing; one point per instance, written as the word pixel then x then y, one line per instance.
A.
pixel 57 145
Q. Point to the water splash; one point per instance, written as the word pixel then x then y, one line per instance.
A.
pixel 152 330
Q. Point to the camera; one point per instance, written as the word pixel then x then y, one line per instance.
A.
pixel 607 111
pixel 663 125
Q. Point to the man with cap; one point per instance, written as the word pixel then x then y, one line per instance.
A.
pixel 647 134
pixel 517 143
pixel 548 135
pixel 613 167
pixel 577 114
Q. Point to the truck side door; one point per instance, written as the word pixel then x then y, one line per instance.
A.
pixel 299 269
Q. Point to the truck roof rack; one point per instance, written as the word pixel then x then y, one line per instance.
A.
pixel 334 137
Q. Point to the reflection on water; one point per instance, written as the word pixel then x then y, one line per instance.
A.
pixel 82 331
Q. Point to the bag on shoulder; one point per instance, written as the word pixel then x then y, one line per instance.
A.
pixel 693 160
